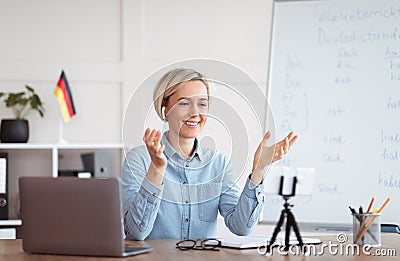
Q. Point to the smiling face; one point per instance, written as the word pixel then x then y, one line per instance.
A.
pixel 187 109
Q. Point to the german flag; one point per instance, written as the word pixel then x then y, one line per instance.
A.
pixel 64 97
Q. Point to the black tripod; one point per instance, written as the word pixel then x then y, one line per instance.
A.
pixel 290 222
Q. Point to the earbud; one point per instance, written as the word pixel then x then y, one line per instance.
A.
pixel 163 113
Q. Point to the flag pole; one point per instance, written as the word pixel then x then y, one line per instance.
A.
pixel 61 139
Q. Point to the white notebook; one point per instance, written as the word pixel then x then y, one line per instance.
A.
pixel 256 241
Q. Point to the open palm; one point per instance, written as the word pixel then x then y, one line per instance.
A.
pixel 265 155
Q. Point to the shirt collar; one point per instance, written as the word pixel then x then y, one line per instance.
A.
pixel 170 151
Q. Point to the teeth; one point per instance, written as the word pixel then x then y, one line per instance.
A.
pixel 191 123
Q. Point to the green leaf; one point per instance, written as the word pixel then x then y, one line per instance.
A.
pixel 36 100
pixel 30 88
pixel 23 102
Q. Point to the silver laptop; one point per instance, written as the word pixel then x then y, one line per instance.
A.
pixel 73 216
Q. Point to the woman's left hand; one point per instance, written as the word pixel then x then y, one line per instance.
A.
pixel 265 155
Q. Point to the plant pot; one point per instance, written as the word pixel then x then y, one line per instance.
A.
pixel 14 131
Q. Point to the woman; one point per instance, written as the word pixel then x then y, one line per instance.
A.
pixel 173 188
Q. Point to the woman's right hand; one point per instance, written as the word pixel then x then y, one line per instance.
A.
pixel 158 159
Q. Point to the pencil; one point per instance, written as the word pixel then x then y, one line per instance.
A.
pixel 368 210
pixel 384 205
pixel 365 218
pixel 370 205
pixel 365 225
pixel 363 229
pixel 370 222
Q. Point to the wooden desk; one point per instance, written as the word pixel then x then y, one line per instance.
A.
pixel 165 250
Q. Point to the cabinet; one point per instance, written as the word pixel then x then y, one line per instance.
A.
pixel 45 159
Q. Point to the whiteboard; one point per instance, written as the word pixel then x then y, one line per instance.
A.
pixel 334 79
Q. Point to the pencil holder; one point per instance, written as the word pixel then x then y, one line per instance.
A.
pixel 367 229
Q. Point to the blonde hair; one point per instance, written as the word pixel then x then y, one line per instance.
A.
pixel 170 82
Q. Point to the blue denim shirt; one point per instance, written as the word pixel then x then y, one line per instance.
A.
pixel 186 205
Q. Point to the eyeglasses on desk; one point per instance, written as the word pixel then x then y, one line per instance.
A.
pixel 199 244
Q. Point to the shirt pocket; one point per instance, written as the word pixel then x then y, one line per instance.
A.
pixel 208 196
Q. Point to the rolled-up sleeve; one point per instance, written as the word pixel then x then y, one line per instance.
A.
pixel 140 198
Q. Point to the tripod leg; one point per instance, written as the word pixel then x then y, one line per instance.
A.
pixel 276 231
pixel 287 232
pixel 296 229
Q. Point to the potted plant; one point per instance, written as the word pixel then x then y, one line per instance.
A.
pixel 17 130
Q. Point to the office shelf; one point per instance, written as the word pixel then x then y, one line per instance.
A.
pixel 56 147
pixel 8 228
pixel 40 146
pixel 25 146
pixel 10 222
pixel 46 159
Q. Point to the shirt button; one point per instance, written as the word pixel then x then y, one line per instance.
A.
pixel 155 194
pixel 186 201
pixel 184 183
pixel 187 165
pixel 186 220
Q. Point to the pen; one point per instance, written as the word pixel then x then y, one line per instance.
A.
pixel 360 210
pixel 353 211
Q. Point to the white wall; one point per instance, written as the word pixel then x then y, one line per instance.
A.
pixel 40 38
pixel 107 48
